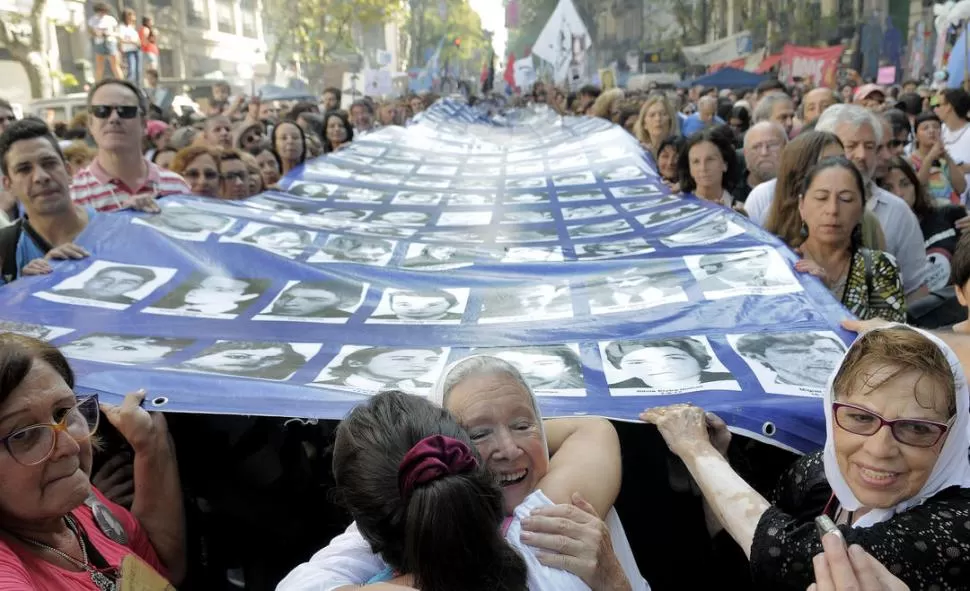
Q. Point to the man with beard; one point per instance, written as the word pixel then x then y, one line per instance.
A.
pixel 763 144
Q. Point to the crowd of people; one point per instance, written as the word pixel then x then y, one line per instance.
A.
pixel 473 489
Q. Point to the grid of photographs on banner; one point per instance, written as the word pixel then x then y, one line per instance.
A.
pixel 439 206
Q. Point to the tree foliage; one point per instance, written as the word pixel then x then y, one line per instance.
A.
pixel 25 38
pixel 316 30
pixel 426 28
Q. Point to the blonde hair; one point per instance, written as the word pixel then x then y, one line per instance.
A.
pixel 641 132
pixel 603 106
pixel 902 349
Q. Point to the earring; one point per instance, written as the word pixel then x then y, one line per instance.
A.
pixel 804 230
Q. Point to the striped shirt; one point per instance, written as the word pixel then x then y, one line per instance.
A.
pixel 94 187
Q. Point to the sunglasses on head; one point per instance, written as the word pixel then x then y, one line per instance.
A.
pixel 104 111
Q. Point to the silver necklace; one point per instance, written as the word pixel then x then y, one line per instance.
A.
pixel 100 580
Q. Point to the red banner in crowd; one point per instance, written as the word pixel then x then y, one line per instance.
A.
pixel 817 64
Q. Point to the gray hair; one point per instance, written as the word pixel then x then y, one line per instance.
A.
pixel 772 125
pixel 480 365
pixel 852 115
pixel 767 105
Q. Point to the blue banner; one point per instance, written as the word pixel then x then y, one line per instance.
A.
pixel 547 241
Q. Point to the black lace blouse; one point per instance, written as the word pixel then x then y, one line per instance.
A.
pixel 928 546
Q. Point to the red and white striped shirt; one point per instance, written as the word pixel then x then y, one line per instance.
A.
pixel 94 187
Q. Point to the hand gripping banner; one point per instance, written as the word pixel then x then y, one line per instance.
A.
pixel 547 241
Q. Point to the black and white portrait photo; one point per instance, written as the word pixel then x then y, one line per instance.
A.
pixel 647 285
pixel 590 195
pixel 791 363
pixel 458 236
pixel 465 218
pixel 427 182
pixel 609 228
pixel 402 218
pixel 326 301
pixel 421 306
pixel 567 162
pixel 521 198
pixel 248 359
pixel 550 370
pixel 416 198
pixel 105 284
pixel 371 369
pixel 210 296
pixel 475 184
pixel 123 349
pixel 519 235
pixel 186 223
pixel 576 178
pixel 664 366
pixel 325 219
pixel 437 256
pixel 355 249
pixel 285 242
pixel 470 199
pixel 37 331
pixel 644 204
pixel 533 254
pixel 709 230
pixel 362 195
pixel 593 251
pixel 587 211
pixel 646 190
pixel 757 271
pixel 544 301
pixel 385 178
pixel 656 218
pixel 312 190
pixel 382 230
pixel 525 216
pixel 624 173
pixel 526 183
pixel 393 167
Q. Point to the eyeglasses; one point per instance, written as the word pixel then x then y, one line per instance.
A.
pixel 209 175
pixel 235 176
pixel 104 111
pixel 253 138
pixel 34 444
pixel 915 432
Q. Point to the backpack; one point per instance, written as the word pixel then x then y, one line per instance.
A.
pixel 9 236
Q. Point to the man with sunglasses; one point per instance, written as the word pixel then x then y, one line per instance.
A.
pixel 234 174
pixel 35 172
pixel 120 177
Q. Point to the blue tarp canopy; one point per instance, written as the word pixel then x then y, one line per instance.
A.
pixel 726 78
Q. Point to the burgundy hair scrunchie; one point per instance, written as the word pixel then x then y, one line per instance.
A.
pixel 431 458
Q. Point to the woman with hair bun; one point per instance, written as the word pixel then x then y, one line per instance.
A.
pixel 426 503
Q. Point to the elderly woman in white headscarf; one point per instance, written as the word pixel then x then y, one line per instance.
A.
pixel 894 474
pixel 492 401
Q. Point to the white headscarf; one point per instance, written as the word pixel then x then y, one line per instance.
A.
pixel 437 395
pixel 952 467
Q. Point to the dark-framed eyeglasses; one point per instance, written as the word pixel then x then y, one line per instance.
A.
pixel 235 175
pixel 209 175
pixel 34 444
pixel 104 111
pixel 862 421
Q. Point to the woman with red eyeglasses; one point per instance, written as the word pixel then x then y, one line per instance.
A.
pixel 894 474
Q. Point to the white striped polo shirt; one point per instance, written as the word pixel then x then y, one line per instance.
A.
pixel 94 187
